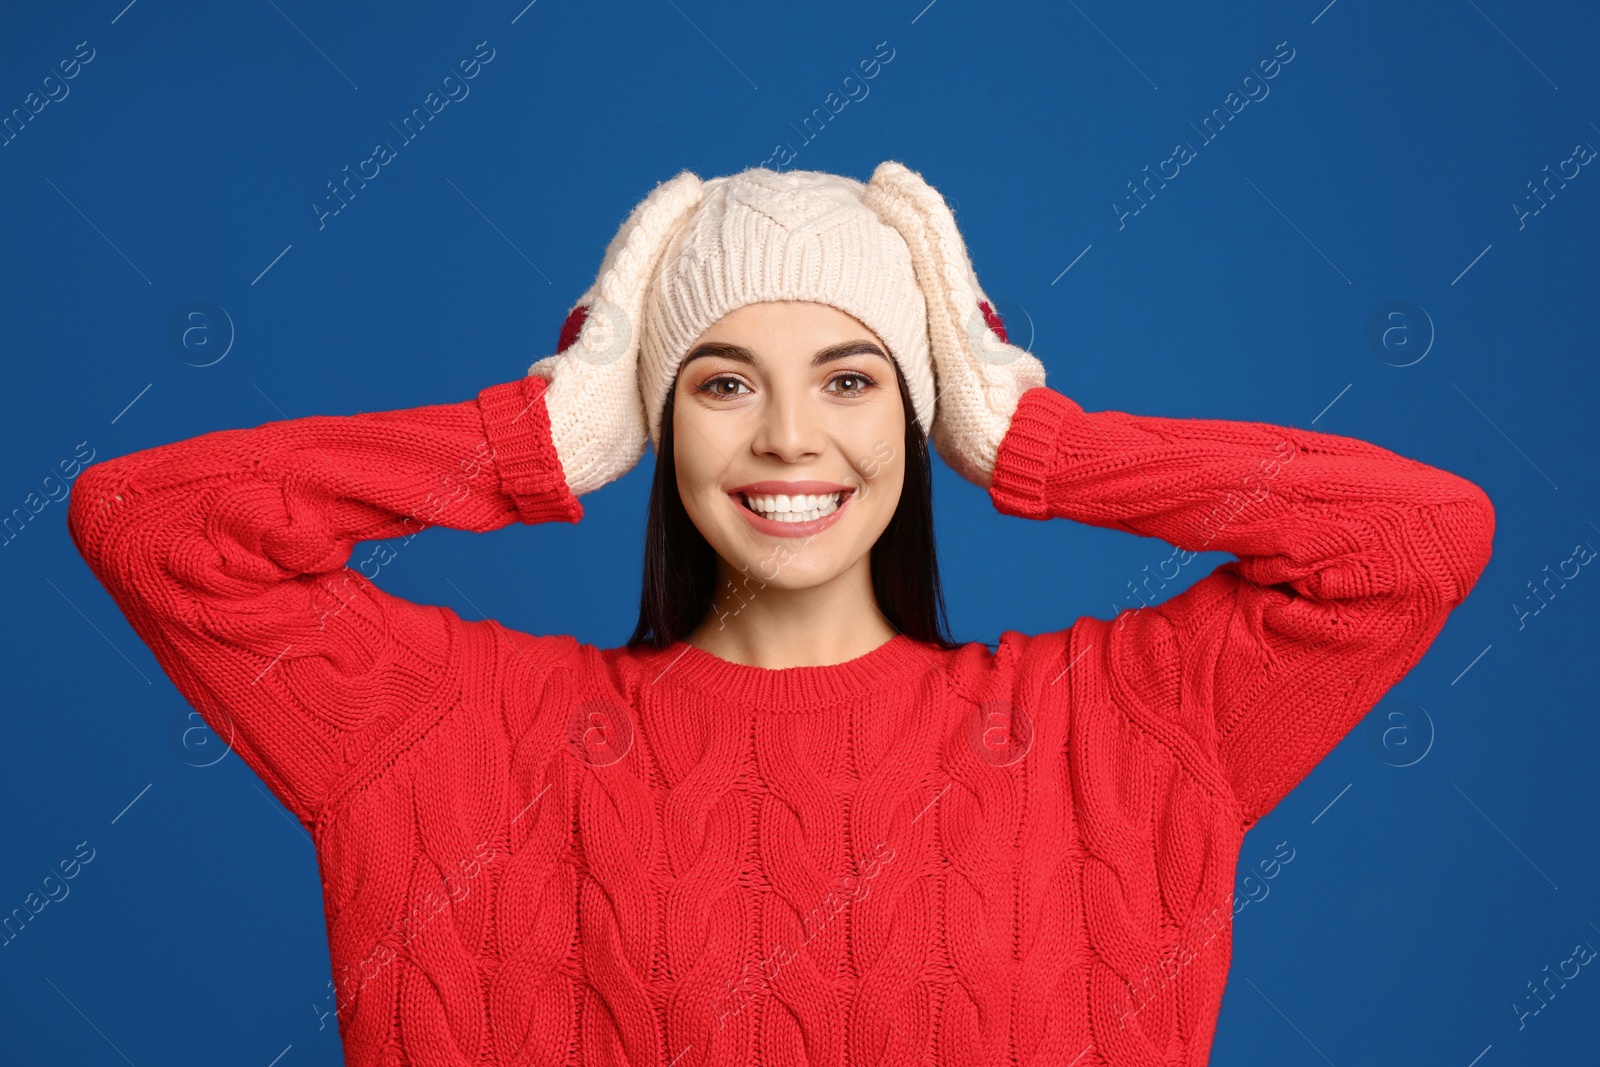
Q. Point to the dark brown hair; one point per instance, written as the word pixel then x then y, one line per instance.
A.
pixel 680 566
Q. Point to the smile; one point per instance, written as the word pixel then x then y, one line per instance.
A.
pixel 798 508
pixel 791 509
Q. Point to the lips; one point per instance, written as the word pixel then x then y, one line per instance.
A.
pixel 791 509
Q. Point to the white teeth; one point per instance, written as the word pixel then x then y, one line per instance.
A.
pixel 794 508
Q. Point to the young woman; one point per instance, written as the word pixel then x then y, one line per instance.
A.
pixel 788 822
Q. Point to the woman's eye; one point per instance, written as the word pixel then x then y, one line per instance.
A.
pixel 852 383
pixel 723 386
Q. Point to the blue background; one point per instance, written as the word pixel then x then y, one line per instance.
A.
pixel 1437 868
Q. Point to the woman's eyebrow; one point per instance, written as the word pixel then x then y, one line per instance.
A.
pixel 740 354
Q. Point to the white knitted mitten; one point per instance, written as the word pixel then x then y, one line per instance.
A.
pixel 981 376
pixel 597 417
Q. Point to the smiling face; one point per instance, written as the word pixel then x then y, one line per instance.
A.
pixel 785 416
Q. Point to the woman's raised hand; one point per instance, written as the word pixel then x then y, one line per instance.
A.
pixel 596 413
pixel 597 416
pixel 980 375
pixel 980 384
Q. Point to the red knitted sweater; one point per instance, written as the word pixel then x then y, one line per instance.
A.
pixel 536 851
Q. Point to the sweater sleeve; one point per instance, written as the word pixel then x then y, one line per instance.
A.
pixel 1349 559
pixel 228 554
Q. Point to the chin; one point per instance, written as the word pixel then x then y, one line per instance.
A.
pixel 786 565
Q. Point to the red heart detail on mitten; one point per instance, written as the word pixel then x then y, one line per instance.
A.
pixel 572 327
pixel 992 317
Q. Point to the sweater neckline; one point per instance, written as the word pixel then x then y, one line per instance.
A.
pixel 895 663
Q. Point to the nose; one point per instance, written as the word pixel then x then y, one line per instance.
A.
pixel 790 427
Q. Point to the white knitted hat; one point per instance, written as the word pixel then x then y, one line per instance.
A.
pixel 694 250
pixel 799 235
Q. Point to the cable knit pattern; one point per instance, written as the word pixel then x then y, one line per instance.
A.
pixel 536 851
